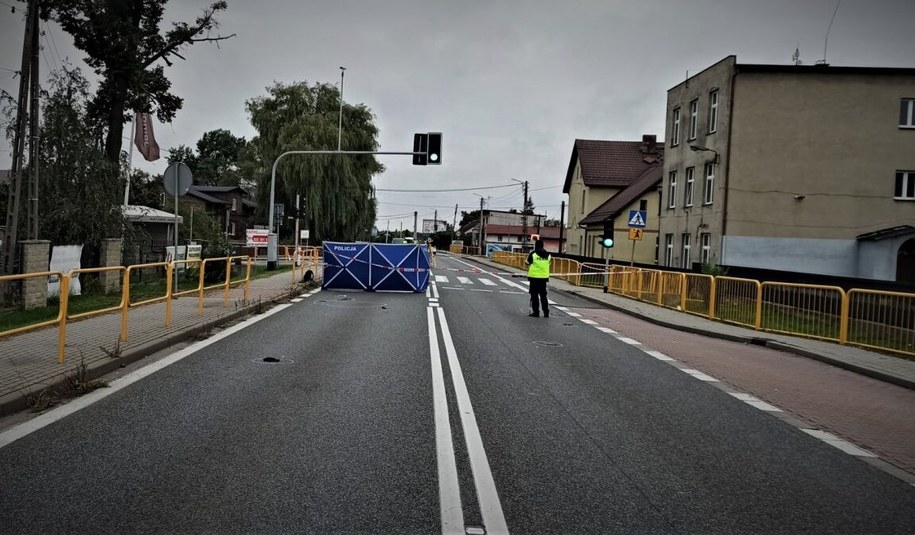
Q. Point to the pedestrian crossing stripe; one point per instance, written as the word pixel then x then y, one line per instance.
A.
pixel 488 282
pixel 464 280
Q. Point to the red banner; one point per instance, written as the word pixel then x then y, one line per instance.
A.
pixel 144 137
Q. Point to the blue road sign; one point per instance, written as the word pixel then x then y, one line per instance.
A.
pixel 637 218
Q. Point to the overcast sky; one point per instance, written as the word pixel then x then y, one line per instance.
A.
pixel 510 83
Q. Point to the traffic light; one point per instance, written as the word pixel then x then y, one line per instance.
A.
pixel 420 145
pixel 434 148
pixel 606 240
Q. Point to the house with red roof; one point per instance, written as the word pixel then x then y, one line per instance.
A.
pixel 605 182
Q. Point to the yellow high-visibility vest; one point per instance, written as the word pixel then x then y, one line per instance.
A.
pixel 540 268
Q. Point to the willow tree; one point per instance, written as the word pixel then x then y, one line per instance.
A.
pixel 339 204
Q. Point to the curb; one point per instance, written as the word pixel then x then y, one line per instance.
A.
pixel 18 401
pixel 754 340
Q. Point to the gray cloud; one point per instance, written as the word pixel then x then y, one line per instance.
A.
pixel 510 83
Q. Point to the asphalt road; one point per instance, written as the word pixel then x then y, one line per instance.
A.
pixel 446 412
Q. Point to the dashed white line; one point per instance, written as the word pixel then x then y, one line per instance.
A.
pixel 607 330
pixel 574 314
pixel 658 355
pixel 296 300
pixel 588 322
pixel 629 341
pixel 756 402
pixel 699 375
pixel 837 442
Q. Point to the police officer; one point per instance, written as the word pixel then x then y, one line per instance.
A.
pixel 538 274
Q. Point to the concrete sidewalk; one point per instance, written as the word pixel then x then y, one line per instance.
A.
pixel 28 361
pixel 886 367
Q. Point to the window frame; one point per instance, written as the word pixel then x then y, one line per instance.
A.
pixel 907 116
pixel 689 186
pixel 905 186
pixel 583 192
pixel 708 184
pixel 668 249
pixel 705 242
pixel 675 127
pixel 685 250
pixel 693 119
pixel 713 97
pixel 672 189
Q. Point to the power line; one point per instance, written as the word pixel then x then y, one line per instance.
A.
pixel 47 29
pixel 443 190
pixel 9 6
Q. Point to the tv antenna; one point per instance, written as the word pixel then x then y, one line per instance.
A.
pixel 826 39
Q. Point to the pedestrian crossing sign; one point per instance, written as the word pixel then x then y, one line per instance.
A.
pixel 637 218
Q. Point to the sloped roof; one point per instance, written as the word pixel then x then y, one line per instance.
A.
pixel 146 214
pixel 619 202
pixel 249 203
pixel 219 189
pixel 610 163
pixel 205 197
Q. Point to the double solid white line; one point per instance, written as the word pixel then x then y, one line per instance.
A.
pixel 448 486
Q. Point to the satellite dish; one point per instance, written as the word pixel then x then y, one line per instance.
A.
pixel 177 179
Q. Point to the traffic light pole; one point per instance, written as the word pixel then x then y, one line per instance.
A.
pixel 272 243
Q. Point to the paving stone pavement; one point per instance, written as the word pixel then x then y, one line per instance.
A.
pixel 28 361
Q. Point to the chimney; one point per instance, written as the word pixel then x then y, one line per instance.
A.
pixel 649 144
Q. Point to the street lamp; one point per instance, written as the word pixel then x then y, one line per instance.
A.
pixel 697 148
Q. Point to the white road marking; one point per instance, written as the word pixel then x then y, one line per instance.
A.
pixel 837 442
pixel 607 330
pixel 435 290
pixel 490 506
pixel 574 314
pixel 480 290
pixel 629 341
pixel 24 429
pixel 658 355
pixel 296 300
pixel 464 280
pixel 434 305
pixel 564 309
pixel 452 288
pixel 449 490
pixel 699 375
pixel 487 282
pixel 756 402
pixel 511 292
pixel 588 322
pixel 441 278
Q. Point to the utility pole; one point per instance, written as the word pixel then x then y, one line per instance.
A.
pixel 435 222
pixel 32 212
pixel 524 220
pixel 454 222
pixel 481 226
pixel 9 253
pixel 415 216
pixel 562 225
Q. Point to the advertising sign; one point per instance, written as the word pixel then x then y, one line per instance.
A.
pixel 256 237
pixel 429 226
pixel 63 259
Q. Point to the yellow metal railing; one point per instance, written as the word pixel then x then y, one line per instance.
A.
pixel 738 301
pixel 129 274
pixel 802 309
pixel 698 295
pixel 881 320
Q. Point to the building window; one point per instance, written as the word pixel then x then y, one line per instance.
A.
pixel 672 203
pixel 234 205
pixel 583 200
pixel 643 205
pixel 232 228
pixel 907 113
pixel 668 249
pixel 688 191
pixel 675 128
pixel 905 186
pixel 706 247
pixel 685 251
pixel 693 118
pixel 709 187
pixel 713 111
pixel 499 237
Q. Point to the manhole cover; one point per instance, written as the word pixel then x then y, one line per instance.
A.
pixel 544 343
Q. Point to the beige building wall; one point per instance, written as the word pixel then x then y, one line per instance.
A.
pixel 582 201
pixel 701 217
pixel 815 156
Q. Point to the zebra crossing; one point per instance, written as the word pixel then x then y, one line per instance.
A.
pixel 482 284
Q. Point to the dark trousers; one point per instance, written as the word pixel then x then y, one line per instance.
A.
pixel 538 296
